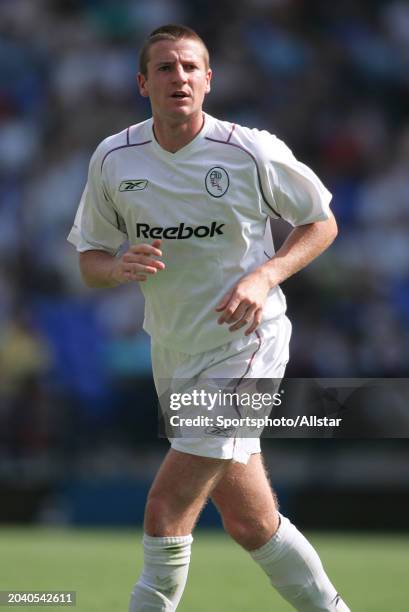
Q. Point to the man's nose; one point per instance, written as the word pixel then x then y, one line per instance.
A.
pixel 179 74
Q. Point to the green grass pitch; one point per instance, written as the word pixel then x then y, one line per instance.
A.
pixel 370 570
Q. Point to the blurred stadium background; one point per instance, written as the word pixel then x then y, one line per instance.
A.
pixel 78 442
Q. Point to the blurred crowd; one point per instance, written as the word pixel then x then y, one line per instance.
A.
pixel 331 79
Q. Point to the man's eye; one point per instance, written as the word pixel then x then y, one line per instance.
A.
pixel 190 67
pixel 163 68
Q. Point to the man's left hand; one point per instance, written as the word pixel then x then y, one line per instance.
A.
pixel 243 305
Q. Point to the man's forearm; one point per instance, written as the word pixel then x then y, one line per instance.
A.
pixel 96 269
pixel 300 248
pixel 100 269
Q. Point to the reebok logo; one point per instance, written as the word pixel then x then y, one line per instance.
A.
pixel 135 185
pixel 179 232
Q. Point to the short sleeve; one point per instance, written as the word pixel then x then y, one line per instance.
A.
pixel 292 190
pixel 97 224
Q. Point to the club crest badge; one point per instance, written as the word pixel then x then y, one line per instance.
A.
pixel 217 182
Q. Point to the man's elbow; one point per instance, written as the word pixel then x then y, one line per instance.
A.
pixel 332 228
pixel 328 230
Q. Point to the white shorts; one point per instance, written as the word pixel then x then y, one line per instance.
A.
pixel 263 355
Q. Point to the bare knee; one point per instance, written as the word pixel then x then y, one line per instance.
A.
pixel 179 492
pixel 251 534
pixel 170 515
pixel 161 518
pixel 156 516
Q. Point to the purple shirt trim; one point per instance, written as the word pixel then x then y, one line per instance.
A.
pixel 231 132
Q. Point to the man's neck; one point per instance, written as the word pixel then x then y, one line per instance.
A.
pixel 175 136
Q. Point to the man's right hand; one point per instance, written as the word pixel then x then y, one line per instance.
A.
pixel 137 263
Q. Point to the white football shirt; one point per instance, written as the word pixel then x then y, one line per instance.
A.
pixel 210 202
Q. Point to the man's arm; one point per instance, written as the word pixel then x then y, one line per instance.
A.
pixel 100 269
pixel 244 304
pixel 301 247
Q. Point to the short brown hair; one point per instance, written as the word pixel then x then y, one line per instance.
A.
pixel 168 32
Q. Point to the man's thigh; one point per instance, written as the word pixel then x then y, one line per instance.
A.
pixel 243 494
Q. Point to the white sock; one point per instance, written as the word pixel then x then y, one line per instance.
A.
pixel 161 584
pixel 296 571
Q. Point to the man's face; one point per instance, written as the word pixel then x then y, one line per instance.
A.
pixel 177 79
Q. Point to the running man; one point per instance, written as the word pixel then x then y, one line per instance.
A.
pixel 191 196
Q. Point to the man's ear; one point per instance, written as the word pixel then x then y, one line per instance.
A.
pixel 142 85
pixel 209 78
